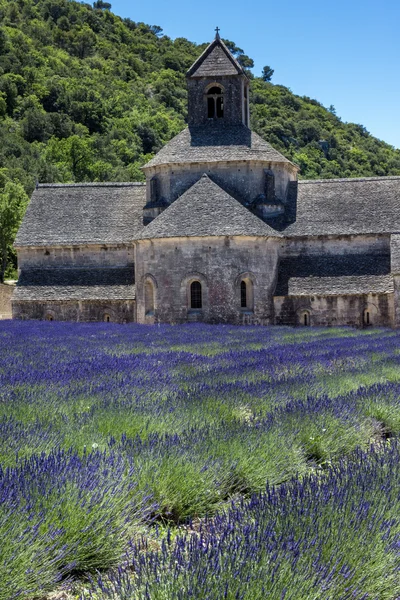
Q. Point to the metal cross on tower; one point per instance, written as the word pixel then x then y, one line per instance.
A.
pixel 217 33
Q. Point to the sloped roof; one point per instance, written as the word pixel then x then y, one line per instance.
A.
pixel 206 209
pixel 95 213
pixel 215 61
pixel 214 142
pixel 338 286
pixel 347 206
pixel 76 284
pixel 305 271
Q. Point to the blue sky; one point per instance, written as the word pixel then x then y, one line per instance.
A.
pixel 344 53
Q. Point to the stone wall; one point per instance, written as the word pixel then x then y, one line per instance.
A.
pixel 336 245
pixel 76 256
pixel 335 310
pixel 118 311
pixel 219 263
pixel 244 180
pixel 233 99
pixel 395 269
pixel 6 291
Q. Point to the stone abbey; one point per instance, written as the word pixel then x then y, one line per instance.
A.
pixel 221 232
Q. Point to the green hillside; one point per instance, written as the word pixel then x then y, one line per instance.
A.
pixel 88 96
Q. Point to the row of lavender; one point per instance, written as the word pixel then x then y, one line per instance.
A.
pixel 106 429
pixel 329 537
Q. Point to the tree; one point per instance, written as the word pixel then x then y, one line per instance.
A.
pixel 13 201
pixel 267 73
pixel 157 30
pixel 73 155
pixel 245 61
pixel 100 5
pixel 235 50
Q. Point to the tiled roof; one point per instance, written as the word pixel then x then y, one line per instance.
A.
pixel 216 61
pixel 67 214
pixel 215 142
pixel 346 206
pixel 206 209
pixel 76 284
pixel 304 270
pixel 337 286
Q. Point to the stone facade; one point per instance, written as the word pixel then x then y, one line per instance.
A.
pixel 85 256
pixel 219 264
pixel 116 311
pixel 352 310
pixel 243 179
pixel 222 232
pixel 6 292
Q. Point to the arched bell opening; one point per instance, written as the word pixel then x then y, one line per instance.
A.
pixel 215 102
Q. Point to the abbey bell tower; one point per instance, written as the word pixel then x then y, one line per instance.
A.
pixel 218 88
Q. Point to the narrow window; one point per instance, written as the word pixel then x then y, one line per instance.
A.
pixel 211 107
pixel 246 106
pixel 304 318
pixel 243 294
pixel 215 103
pixel 149 298
pixel 220 108
pixel 195 295
pixel 367 317
pixel 269 188
pixel 153 189
pixel 49 317
pixel 106 318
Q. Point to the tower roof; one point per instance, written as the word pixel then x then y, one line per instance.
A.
pixel 215 61
pixel 212 143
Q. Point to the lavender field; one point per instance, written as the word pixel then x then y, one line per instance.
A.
pixel 199 462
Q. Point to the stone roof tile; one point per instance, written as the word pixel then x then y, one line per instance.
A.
pixel 215 61
pixel 206 209
pixel 69 214
pixel 215 142
pixel 338 286
pixel 342 266
pixel 76 284
pixel 347 206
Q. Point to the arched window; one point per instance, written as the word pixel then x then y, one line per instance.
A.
pixel 149 298
pixel 243 294
pixel 106 317
pixel 49 317
pixel 367 317
pixel 304 318
pixel 215 103
pixel 195 295
pixel 246 295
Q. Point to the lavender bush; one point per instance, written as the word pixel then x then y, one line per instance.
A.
pixel 110 433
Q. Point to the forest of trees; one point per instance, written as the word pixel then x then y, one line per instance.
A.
pixel 88 96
